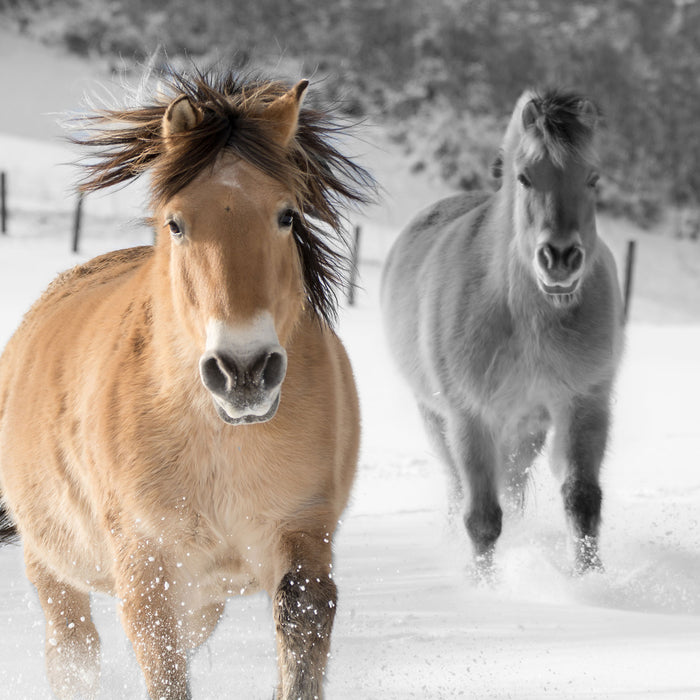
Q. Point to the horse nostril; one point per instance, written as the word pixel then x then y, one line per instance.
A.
pixel 218 374
pixel 546 256
pixel 274 370
pixel 573 258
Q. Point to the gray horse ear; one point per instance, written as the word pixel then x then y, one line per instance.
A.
pixel 530 114
pixel 588 113
pixel 181 115
pixel 497 166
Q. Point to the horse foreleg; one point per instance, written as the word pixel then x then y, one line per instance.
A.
pixel 436 428
pixel 147 613
pixel 72 643
pixel 579 445
pixel 304 608
pixel 474 452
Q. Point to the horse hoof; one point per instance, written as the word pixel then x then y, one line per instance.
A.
pixel 587 557
pixel 484 573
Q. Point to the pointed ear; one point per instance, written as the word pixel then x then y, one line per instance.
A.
pixel 530 114
pixel 588 114
pixel 283 113
pixel 181 115
pixel 497 165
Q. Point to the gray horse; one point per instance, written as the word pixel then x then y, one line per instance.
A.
pixel 503 312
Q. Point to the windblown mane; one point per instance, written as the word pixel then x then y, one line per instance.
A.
pixel 561 130
pixel 130 142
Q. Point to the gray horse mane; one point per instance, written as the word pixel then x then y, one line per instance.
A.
pixel 555 123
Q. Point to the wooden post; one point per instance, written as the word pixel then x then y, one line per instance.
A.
pixel 3 204
pixel 629 274
pixel 77 222
pixel 355 264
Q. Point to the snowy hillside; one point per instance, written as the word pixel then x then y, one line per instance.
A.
pixel 411 621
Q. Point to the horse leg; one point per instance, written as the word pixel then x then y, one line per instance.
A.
pixel 474 450
pixel 72 644
pixel 304 608
pixel 147 614
pixel 436 428
pixel 579 445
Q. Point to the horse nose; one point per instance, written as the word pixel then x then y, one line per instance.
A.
pixel 269 369
pixel 223 374
pixel 556 260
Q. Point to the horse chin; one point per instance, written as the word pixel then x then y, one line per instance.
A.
pixel 561 297
pixel 563 301
pixel 243 418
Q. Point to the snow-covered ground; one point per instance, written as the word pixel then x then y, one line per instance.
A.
pixel 411 622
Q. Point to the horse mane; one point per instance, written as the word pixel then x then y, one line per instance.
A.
pixel 563 128
pixel 129 142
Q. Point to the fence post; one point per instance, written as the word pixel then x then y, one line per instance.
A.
pixel 3 203
pixel 629 274
pixel 77 222
pixel 354 266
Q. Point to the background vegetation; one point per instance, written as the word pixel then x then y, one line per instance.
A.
pixel 443 75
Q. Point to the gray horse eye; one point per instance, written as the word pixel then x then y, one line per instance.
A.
pixel 523 180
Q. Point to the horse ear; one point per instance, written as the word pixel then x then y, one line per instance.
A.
pixel 530 114
pixel 181 115
pixel 497 166
pixel 283 113
pixel 588 113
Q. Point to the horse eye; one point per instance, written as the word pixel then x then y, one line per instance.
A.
pixel 593 181
pixel 175 230
pixel 522 179
pixel 286 218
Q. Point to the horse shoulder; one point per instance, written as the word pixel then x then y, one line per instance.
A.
pixel 607 263
pixel 463 322
pixel 320 397
pixel 597 330
pixel 428 226
pixel 49 427
pixel 431 270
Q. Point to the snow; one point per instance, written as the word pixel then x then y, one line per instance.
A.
pixel 412 621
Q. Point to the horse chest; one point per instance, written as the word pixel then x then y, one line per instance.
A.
pixel 515 375
pixel 224 529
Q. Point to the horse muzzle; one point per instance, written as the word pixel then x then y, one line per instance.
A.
pixel 245 390
pixel 559 270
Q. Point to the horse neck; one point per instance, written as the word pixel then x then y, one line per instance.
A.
pixel 175 353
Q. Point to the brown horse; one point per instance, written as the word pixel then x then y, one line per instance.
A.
pixel 178 423
pixel 503 312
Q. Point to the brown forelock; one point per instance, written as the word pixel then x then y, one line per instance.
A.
pixel 130 142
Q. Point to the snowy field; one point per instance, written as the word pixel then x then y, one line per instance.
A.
pixel 411 622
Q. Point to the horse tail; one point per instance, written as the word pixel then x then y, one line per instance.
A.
pixel 519 470
pixel 9 533
pixel 518 482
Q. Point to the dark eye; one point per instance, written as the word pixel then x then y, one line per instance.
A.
pixel 174 227
pixel 593 181
pixel 523 180
pixel 286 218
